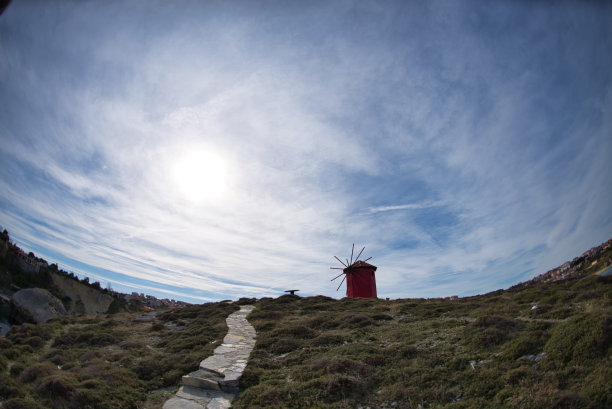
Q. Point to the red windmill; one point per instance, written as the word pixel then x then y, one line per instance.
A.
pixel 359 276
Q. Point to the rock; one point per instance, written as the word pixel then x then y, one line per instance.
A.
pixel 202 379
pixel 36 305
pixel 536 358
pixel 83 299
pixel 179 403
pixel 4 329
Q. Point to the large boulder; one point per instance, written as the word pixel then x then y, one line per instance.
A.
pixel 36 305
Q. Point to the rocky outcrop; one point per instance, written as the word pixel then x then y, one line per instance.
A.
pixel 35 305
pixel 83 299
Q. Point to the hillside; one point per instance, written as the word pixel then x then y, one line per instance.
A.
pixel 545 343
pixel 53 286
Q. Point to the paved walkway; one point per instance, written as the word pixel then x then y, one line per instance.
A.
pixel 215 384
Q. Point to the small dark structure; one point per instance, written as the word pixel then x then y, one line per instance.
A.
pixel 292 292
pixel 359 275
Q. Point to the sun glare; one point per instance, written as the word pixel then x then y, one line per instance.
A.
pixel 201 176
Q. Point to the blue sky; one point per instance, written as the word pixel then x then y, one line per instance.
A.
pixel 213 150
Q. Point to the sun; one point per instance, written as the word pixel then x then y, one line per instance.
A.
pixel 201 175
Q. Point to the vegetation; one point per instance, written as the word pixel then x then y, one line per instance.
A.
pixel 123 360
pixel 539 346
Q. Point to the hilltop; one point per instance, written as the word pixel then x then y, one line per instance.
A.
pixel 544 343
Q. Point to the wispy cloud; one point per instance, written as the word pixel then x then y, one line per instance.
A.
pixel 409 206
pixel 463 149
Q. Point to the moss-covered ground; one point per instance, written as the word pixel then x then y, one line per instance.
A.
pixel 124 360
pixel 544 345
pixel 541 346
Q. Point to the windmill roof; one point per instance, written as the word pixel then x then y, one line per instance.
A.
pixel 359 263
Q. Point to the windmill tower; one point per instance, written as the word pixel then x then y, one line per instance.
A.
pixel 359 276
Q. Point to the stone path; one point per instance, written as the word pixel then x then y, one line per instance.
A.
pixel 215 384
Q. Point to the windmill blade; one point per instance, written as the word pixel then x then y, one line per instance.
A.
pixel 352 250
pixel 336 268
pixel 348 262
pixel 367 259
pixel 357 258
pixel 341 283
pixel 336 277
pixel 342 262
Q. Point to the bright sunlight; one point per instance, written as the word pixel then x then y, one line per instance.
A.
pixel 201 175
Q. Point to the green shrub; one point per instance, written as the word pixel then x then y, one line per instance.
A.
pixel 296 331
pixel 57 387
pixel 37 371
pixel 10 388
pixel 330 365
pixel 116 307
pixel 489 331
pixel 3 363
pixel 22 403
pixel 355 321
pixel 263 396
pixel 88 336
pixel 17 368
pixel 333 388
pixel 580 339
pixel 284 345
pixel 35 342
pixel 329 339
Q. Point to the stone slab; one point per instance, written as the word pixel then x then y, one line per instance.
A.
pixel 215 363
pixel 180 403
pixel 202 379
pixel 200 396
pixel 219 403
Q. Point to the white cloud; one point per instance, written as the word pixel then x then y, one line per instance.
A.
pixel 441 150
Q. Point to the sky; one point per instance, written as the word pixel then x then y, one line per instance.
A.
pixel 214 150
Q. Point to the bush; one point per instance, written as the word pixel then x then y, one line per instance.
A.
pixel 21 403
pixel 17 368
pixel 37 371
pixel 57 387
pixel 489 331
pixel 329 339
pixel 284 345
pixel 86 337
pixel 330 365
pixel 35 342
pixel 580 339
pixel 3 363
pixel 10 388
pixel 332 388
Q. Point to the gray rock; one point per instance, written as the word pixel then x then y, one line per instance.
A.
pixel 36 305
pixel 197 395
pixel 180 403
pixel 4 329
pixel 202 379
pixel 83 299
pixel 219 403
pixel 215 363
